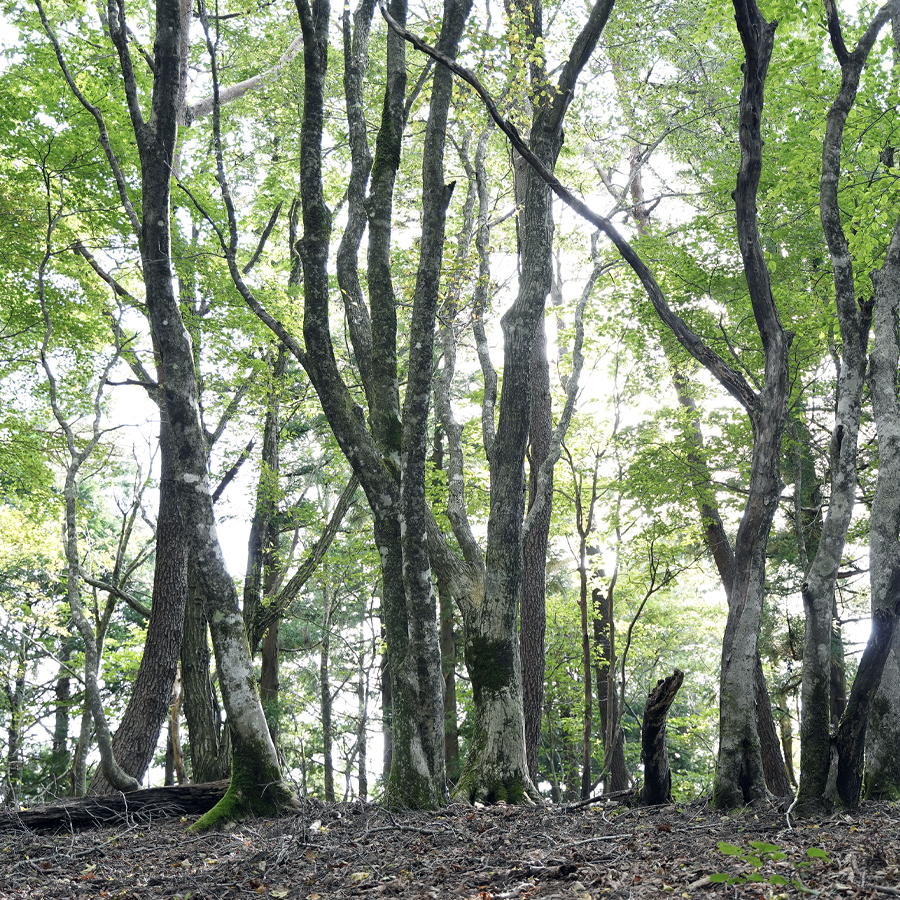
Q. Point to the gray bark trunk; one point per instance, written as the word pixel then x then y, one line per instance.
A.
pixel 739 776
pixel 882 768
pixel 325 696
pixel 533 622
pixel 818 590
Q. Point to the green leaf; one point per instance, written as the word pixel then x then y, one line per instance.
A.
pixel 817 853
pixel 763 847
pixel 722 878
pixel 730 849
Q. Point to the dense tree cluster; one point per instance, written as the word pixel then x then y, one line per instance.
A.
pixel 523 354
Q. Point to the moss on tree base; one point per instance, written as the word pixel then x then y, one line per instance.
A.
pixel 516 790
pixel 256 789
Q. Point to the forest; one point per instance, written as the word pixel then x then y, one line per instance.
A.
pixel 428 402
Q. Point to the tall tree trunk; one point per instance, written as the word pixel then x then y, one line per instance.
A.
pixel 448 665
pixel 533 620
pixel 15 696
pixel 882 767
pixel 739 775
pixel 362 741
pixel 136 738
pixel 818 591
pixel 496 767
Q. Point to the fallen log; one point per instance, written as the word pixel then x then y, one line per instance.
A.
pixel 106 809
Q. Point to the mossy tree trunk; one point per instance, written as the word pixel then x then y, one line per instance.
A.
pixel 389 459
pixel 256 784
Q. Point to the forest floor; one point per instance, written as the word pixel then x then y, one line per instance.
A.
pixel 352 850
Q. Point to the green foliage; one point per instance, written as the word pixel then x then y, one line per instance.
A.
pixel 759 856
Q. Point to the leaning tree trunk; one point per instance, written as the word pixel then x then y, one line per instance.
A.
pixel 256 783
pixel 138 733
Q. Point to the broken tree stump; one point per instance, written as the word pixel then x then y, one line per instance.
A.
pixel 105 809
pixel 657 786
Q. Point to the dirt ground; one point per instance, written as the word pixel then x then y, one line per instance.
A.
pixel 354 850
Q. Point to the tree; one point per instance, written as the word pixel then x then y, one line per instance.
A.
pixel 256 781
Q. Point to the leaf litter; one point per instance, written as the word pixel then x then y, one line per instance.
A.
pixel 350 850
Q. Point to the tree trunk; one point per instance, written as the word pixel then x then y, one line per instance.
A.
pixel 818 591
pixel 496 765
pixel 657 786
pixel 533 624
pixel 136 738
pixel 448 665
pixel 256 783
pixel 739 775
pixel 59 753
pixel 15 696
pixel 588 734
pixel 882 768
pixel 612 733
pixel 208 740
pixel 118 809
pixel 325 696
pixel 387 706
pixel 851 734
pixel 362 695
pixel 269 681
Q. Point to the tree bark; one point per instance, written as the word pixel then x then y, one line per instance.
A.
pixel 208 740
pixel 533 621
pixel 325 696
pixel 739 775
pixel 144 806
pixel 59 753
pixel 882 768
pixel 136 738
pixel 850 741
pixel 657 787
pixel 496 767
pixel 818 590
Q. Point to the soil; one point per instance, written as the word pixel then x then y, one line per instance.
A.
pixel 354 850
